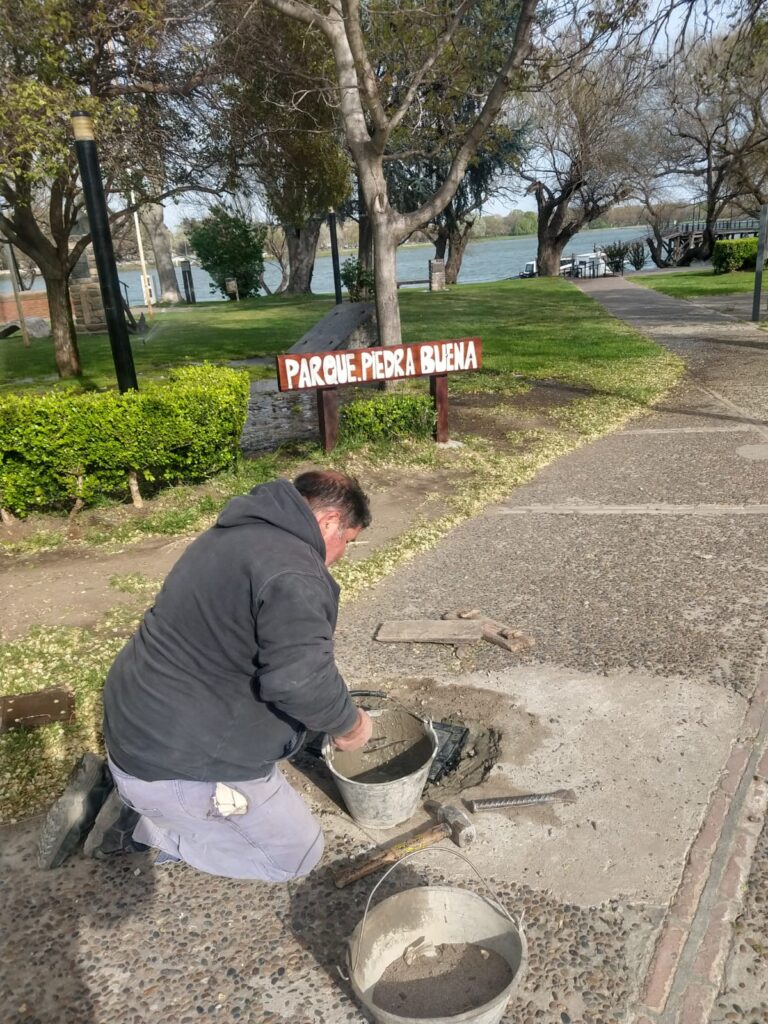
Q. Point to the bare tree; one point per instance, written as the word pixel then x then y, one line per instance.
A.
pixel 580 164
pixel 715 101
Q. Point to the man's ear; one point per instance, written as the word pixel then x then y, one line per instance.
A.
pixel 329 522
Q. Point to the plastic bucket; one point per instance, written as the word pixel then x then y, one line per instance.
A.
pixel 382 787
pixel 439 914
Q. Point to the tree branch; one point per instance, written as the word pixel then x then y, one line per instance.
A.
pixel 493 104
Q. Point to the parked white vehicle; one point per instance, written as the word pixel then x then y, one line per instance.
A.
pixel 531 269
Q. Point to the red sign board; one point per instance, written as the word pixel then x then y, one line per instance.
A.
pixel 367 365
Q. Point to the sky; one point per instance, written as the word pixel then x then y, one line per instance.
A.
pixel 175 213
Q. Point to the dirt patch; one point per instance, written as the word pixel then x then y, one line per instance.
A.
pixel 455 978
pixel 480 711
pixel 495 416
pixel 74 589
pixel 498 729
pixel 70 586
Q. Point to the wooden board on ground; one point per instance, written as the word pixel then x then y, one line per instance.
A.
pixel 430 631
pixel 31 710
pixel 512 640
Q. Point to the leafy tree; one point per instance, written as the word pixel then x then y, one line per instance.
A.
pixel 279 133
pixel 615 254
pixel 411 183
pixel 386 60
pixel 228 245
pixel 121 64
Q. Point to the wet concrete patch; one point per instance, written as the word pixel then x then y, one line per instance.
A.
pixel 643 755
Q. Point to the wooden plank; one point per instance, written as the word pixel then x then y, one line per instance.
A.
pixel 430 631
pixel 328 417
pixel 32 710
pixel 513 640
pixel 438 389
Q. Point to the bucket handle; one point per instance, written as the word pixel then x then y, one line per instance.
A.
pixel 517 922
pixel 383 695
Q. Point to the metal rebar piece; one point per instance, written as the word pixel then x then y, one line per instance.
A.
pixel 493 802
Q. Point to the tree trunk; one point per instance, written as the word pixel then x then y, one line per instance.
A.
pixel 702 251
pixel 160 237
pixel 385 274
pixel 364 233
pixel 62 327
pixel 441 243
pixel 655 243
pixel 302 247
pixel 549 253
pixel 458 241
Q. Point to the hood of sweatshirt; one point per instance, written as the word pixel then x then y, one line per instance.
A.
pixel 279 504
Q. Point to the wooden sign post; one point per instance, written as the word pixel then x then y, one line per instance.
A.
pixel 327 371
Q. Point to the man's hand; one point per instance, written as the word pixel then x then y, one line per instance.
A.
pixel 358 736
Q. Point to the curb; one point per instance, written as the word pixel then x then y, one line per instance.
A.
pixel 685 972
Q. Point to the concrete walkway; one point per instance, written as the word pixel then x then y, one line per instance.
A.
pixel 640 565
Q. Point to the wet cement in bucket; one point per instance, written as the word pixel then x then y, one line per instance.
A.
pixel 458 978
pixel 398 747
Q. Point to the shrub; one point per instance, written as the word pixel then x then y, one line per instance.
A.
pixel 228 245
pixel 62 449
pixel 358 282
pixel 385 418
pixel 734 254
pixel 615 254
pixel 636 254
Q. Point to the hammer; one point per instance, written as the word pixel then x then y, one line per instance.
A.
pixel 451 824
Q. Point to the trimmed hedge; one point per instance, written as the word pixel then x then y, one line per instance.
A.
pixel 63 450
pixel 734 254
pixel 386 418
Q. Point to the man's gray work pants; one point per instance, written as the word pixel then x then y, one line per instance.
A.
pixel 255 829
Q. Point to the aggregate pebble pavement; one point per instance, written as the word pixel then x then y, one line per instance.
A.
pixel 639 565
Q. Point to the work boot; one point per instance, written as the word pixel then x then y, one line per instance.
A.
pixel 112 830
pixel 74 813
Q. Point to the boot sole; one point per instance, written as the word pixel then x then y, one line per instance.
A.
pixel 73 814
pixel 115 822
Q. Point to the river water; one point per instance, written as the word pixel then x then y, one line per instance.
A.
pixel 494 259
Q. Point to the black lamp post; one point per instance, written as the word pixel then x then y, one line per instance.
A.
pixel 335 257
pixel 98 218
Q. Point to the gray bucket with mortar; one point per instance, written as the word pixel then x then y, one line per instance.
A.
pixel 436 914
pixel 381 784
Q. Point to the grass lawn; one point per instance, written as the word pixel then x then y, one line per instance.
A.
pixel 213 331
pixel 537 328
pixel 693 284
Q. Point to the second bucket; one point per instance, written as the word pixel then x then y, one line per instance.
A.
pixel 381 783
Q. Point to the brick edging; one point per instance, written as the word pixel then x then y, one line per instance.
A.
pixel 696 934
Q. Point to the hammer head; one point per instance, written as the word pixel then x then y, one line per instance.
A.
pixel 463 831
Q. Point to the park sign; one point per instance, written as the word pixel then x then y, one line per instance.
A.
pixel 326 371
pixel 371 365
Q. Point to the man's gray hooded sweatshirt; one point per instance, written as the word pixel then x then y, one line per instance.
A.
pixel 237 653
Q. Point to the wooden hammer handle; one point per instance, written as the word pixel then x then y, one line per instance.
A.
pixel 380 858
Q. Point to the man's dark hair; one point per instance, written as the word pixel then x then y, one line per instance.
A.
pixel 327 489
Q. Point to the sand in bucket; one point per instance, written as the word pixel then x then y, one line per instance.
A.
pixel 398 747
pixel 445 980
